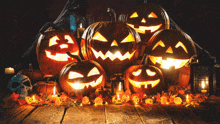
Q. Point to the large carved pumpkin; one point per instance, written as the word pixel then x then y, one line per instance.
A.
pixel 144 78
pixel 112 44
pixel 170 48
pixel 82 76
pixel 146 19
pixel 51 50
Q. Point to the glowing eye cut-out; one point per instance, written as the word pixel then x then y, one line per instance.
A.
pixel 152 15
pixel 74 75
pixel 150 73
pixel 70 40
pixel 143 20
pixel 182 45
pixel 53 41
pixel 99 37
pixel 158 43
pixel 94 71
pixel 129 38
pixel 136 73
pixel 134 15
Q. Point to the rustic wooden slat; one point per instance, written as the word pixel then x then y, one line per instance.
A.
pixel 45 115
pixel 85 115
pixel 153 114
pixel 15 115
pixel 122 114
pixel 182 115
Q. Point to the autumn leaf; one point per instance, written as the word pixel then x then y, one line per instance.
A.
pixel 14 96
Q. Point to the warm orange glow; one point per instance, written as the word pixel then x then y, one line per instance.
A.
pixel 69 39
pixel 119 87
pixel 114 43
pixel 145 83
pixel 74 75
pixel 60 56
pixel 182 45
pixel 54 90
pixel 187 98
pixel 94 71
pixel 99 37
pixel 203 85
pixel 84 84
pixel 129 38
pixel 143 20
pixel 142 29
pixel 150 73
pixel 63 46
pixel 53 41
pixel 152 15
pixel 136 73
pixel 113 56
pixel 169 62
pixel 134 15
pixel 177 100
pixel 169 50
pixel 159 43
pixel 33 98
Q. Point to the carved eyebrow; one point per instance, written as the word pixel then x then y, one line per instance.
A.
pixel 158 43
pixel 182 45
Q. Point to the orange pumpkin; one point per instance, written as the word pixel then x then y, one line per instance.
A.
pixel 47 88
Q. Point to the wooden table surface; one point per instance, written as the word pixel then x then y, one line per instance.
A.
pixel 112 114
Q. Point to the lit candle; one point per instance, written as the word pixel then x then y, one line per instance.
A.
pixel 80 31
pixel 187 98
pixel 203 88
pixel 9 70
pixel 54 96
pixel 34 100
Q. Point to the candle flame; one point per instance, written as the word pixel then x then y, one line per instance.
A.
pixel 80 25
pixel 54 90
pixel 187 97
pixel 119 88
pixel 118 96
pixel 33 97
pixel 203 84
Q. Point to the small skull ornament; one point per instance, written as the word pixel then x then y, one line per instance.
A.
pixel 20 84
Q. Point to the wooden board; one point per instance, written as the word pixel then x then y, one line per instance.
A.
pixel 153 114
pixel 45 115
pixel 15 115
pixel 85 115
pixel 122 114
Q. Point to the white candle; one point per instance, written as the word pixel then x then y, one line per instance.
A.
pixel 203 88
pixel 9 70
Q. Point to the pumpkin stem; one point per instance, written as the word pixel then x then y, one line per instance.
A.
pixel 112 11
pixel 79 59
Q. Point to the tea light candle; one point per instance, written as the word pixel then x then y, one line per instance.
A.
pixel 54 96
pixel 80 31
pixel 9 70
pixel 203 88
pixel 187 98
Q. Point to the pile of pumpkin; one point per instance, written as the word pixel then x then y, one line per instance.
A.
pixel 143 48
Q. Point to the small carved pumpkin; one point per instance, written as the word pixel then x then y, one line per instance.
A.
pixel 141 78
pixel 112 44
pixel 51 50
pixel 169 48
pixel 46 88
pixel 82 76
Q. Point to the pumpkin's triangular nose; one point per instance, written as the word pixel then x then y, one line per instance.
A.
pixel 143 20
pixel 169 50
pixel 114 43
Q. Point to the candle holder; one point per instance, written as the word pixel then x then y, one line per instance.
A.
pixel 115 81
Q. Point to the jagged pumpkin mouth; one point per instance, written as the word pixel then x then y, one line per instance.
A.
pixel 112 56
pixel 169 62
pixel 142 29
pixel 82 85
pixel 144 83
pixel 60 56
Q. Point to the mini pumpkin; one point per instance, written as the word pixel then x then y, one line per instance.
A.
pixel 170 48
pixel 84 76
pixel 112 44
pixel 51 50
pixel 144 78
pixel 46 87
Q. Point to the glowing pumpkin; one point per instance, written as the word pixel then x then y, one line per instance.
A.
pixel 169 48
pixel 112 44
pixel 82 76
pixel 147 18
pixel 46 88
pixel 51 50
pixel 144 78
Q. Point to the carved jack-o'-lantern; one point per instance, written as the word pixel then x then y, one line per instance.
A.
pixel 143 78
pixel 147 18
pixel 169 48
pixel 77 77
pixel 51 51
pixel 112 44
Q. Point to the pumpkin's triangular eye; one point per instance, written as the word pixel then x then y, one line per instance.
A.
pixel 136 73
pixel 150 73
pixel 99 37
pixel 69 39
pixel 182 45
pixel 94 71
pixel 159 43
pixel 74 75
pixel 53 41
pixel 152 15
pixel 134 15
pixel 129 38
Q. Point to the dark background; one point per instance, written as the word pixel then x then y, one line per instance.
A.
pixel 21 21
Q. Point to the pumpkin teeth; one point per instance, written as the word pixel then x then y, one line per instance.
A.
pixel 113 56
pixel 145 83
pixel 80 86
pixel 60 56
pixel 169 62
pixel 142 29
